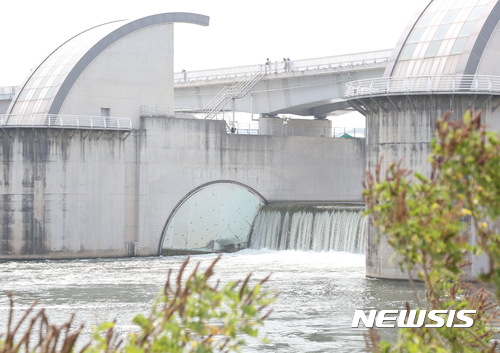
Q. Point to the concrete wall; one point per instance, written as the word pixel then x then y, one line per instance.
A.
pixel 177 155
pixel 4 105
pixel 295 127
pixel 62 193
pixel 272 125
pixel 136 70
pixel 404 134
pixel 86 194
pixel 488 63
pixel 304 127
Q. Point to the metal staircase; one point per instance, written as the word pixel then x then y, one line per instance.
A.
pixel 215 107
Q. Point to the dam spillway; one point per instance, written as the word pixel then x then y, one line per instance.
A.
pixel 315 227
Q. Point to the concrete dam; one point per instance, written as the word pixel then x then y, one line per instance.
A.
pixel 79 193
pixel 97 163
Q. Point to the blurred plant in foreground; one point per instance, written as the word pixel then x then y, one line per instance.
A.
pixel 191 315
pixel 434 225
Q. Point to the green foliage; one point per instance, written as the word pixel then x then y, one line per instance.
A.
pixel 430 223
pixel 191 315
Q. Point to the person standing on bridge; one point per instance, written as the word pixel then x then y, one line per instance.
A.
pixel 268 66
pixel 286 65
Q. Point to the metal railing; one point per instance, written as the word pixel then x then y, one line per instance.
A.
pixel 288 130
pixel 335 63
pixel 65 122
pixel 247 128
pixel 334 132
pixel 451 84
pixel 344 132
pixel 214 108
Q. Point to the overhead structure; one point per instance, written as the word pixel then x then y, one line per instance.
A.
pixel 109 70
pixel 446 60
pixel 450 37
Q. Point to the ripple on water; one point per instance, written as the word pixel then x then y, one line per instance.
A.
pixel 318 293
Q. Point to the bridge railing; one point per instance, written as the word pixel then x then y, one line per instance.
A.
pixel 339 62
pixel 287 130
pixel 334 132
pixel 247 128
pixel 445 84
pixel 65 122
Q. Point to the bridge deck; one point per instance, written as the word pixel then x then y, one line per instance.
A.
pixel 315 65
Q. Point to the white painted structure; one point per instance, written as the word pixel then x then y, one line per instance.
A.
pixel 80 182
pixel 311 87
pixel 100 193
pixel 108 70
pixel 90 170
pixel 446 60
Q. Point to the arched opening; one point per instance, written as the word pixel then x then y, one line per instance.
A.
pixel 214 217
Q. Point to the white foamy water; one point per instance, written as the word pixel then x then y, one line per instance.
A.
pixel 318 293
pixel 309 227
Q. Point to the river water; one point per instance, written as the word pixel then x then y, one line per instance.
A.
pixel 318 293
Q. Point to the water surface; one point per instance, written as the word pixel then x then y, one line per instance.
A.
pixel 318 293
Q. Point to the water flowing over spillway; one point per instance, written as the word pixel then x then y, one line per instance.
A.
pixel 316 227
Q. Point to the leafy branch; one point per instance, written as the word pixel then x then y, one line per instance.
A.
pixel 190 315
pixel 436 223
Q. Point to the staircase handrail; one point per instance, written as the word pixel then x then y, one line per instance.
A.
pixel 236 91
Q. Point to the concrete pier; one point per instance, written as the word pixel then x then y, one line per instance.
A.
pixel 400 128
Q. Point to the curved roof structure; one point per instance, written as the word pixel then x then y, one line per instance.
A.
pixel 447 37
pixel 47 87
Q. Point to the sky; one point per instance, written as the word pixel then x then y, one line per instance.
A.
pixel 240 32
